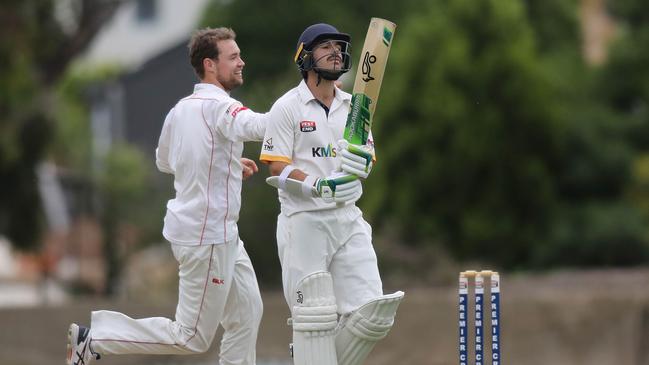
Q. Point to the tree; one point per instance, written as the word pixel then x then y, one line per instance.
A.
pixel 502 151
pixel 622 86
pixel 624 79
pixel 35 51
pixel 123 195
pixel 468 142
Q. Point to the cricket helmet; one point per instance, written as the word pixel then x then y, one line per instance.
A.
pixel 312 36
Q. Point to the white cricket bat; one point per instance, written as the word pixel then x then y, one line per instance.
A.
pixel 369 76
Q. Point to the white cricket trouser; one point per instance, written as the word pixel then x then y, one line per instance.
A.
pixel 335 240
pixel 217 285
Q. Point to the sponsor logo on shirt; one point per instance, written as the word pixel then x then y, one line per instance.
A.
pixel 307 126
pixel 329 151
pixel 268 145
pixel 235 109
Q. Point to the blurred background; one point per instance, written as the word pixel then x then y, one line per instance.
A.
pixel 511 135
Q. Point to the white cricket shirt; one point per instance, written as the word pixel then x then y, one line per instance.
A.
pixel 300 133
pixel 201 145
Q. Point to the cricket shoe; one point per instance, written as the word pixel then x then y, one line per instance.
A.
pixel 79 351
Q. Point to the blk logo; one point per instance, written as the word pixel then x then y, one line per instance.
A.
pixel 218 281
pixel 300 297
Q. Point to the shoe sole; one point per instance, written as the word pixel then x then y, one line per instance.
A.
pixel 73 332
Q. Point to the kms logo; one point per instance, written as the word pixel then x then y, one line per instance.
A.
pixel 329 151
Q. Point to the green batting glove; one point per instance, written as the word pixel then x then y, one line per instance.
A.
pixel 338 188
pixel 356 159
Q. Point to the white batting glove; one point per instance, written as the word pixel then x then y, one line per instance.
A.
pixel 357 159
pixel 339 188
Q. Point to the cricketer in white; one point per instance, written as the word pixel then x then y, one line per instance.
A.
pixel 201 144
pixel 329 268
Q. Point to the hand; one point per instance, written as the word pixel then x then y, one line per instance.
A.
pixel 249 167
pixel 357 159
pixel 339 188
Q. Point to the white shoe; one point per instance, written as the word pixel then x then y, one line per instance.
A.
pixel 79 352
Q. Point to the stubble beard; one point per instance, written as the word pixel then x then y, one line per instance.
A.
pixel 231 83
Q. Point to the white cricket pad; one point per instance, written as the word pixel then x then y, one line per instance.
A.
pixel 314 321
pixel 356 337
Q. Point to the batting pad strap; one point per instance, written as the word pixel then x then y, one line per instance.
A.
pixel 322 318
pixel 364 329
pixel 284 175
pixel 307 186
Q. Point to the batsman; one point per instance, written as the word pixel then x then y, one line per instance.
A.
pixel 330 273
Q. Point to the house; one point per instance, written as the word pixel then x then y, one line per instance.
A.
pixel 142 29
pixel 133 107
pixel 147 39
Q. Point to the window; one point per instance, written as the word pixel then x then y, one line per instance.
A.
pixel 146 10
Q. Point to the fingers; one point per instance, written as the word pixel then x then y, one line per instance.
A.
pixel 248 168
pixel 348 186
pixel 250 164
pixel 342 178
pixel 362 151
pixel 342 188
pixel 358 172
pixel 356 160
pixel 347 155
pixel 353 164
pixel 351 197
pixel 246 172
pixel 348 191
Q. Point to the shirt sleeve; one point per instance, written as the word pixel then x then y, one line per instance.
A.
pixel 164 143
pixel 280 135
pixel 240 124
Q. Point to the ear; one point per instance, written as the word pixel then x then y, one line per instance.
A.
pixel 209 65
